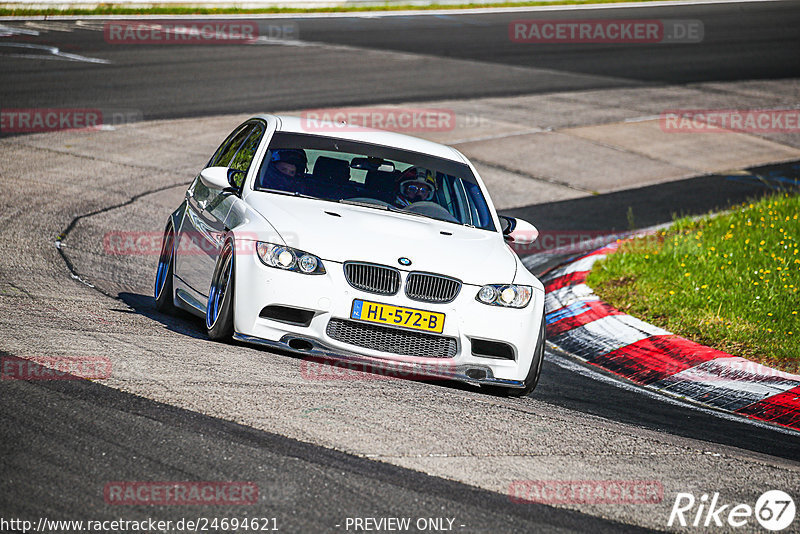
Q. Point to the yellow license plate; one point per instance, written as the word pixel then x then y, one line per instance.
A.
pixel 374 312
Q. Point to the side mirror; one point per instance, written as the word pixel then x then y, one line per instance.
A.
pixel 507 224
pixel 215 177
pixel 518 231
pixel 222 178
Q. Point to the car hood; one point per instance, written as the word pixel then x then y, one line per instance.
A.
pixel 343 232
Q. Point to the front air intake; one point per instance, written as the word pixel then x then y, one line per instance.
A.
pixel 286 314
pixel 392 340
pixel 492 349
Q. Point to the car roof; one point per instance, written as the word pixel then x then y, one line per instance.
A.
pixel 287 123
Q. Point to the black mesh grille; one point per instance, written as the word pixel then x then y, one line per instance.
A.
pixel 392 340
pixel 432 287
pixel 372 278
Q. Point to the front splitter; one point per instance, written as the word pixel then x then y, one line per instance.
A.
pixel 394 368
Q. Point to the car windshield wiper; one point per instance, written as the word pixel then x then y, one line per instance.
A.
pixel 386 207
pixel 393 209
pixel 418 214
pixel 290 193
pixel 381 206
pixel 368 204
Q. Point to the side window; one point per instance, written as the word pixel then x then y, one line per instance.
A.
pixel 244 157
pixel 226 152
pixel 462 202
pixel 447 196
pixel 478 207
pixel 224 144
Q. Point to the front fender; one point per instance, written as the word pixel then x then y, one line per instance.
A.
pixel 248 224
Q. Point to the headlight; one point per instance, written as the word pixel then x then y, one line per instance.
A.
pixel 289 259
pixel 507 295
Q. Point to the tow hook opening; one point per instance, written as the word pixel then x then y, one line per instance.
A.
pixel 300 344
pixel 476 374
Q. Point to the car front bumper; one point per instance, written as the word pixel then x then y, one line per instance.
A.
pixel 360 365
pixel 330 297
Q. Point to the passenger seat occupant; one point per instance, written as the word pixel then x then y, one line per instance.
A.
pixel 414 185
pixel 284 165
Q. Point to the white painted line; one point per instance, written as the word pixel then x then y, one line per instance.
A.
pixel 565 296
pixel 8 31
pixel 620 330
pixel 638 324
pixel 54 52
pixel 51 26
pixel 584 264
pixel 741 373
pixel 646 118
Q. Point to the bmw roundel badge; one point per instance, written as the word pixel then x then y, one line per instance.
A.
pixel 404 261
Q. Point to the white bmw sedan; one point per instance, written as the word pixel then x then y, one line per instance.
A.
pixel 344 242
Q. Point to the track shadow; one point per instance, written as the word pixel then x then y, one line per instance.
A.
pixel 152 441
pixel 181 323
pixel 187 324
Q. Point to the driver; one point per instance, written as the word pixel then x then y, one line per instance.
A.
pixel 414 185
pixel 284 165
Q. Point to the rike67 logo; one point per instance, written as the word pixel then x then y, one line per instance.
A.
pixel 774 510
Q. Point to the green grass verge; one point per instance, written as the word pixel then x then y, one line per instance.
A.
pixel 114 9
pixel 728 281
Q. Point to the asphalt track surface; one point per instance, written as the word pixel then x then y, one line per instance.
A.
pixel 741 41
pixel 69 438
pixel 63 440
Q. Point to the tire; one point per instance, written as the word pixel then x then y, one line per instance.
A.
pixel 163 292
pixel 534 372
pixel 219 310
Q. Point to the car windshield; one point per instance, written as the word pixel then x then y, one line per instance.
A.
pixel 375 176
